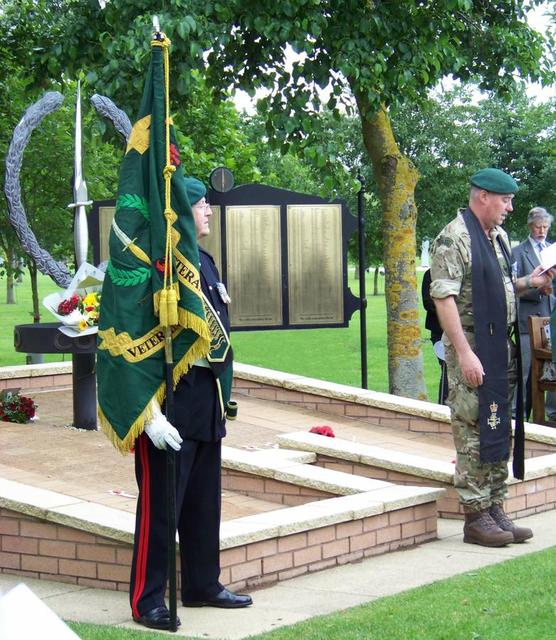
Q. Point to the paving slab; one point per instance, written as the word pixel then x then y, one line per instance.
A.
pixel 52 455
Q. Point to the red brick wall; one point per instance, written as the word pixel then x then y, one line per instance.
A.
pixel 524 498
pixel 335 406
pixel 32 547
pixel 531 496
pixel 535 449
pixel 283 558
pixel 269 489
pixel 39 549
pixel 48 381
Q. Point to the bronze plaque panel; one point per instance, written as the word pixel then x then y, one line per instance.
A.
pixel 254 265
pixel 105 217
pixel 315 264
pixel 212 243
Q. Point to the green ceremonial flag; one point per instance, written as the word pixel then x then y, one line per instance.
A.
pixel 131 360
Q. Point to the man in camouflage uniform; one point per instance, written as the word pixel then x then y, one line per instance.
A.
pixel 481 486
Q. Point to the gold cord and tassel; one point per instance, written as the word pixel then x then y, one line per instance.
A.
pixel 168 305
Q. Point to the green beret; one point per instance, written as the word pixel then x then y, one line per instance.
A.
pixel 494 180
pixel 195 190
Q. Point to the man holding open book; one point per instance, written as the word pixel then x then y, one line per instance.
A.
pixel 534 302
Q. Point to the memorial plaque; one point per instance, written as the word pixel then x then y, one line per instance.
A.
pixel 105 217
pixel 253 248
pixel 213 242
pixel 274 281
pixel 315 272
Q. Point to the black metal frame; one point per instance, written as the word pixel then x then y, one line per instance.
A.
pixel 258 194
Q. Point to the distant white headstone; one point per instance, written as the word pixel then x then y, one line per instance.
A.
pixel 23 616
pixel 425 254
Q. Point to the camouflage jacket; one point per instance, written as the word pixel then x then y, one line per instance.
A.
pixel 451 269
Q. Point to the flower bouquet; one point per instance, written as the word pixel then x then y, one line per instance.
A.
pixel 16 408
pixel 77 308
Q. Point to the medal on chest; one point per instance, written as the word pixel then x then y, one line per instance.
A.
pixel 223 293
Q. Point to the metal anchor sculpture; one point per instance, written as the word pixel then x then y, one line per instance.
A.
pixel 45 337
pixel 31 119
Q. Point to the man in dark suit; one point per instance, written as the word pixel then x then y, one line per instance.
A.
pixel 433 325
pixel 533 302
pixel 200 408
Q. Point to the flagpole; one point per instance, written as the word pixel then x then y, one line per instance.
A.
pixel 171 482
pixel 169 366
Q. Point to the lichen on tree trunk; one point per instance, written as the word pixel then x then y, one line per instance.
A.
pixel 396 177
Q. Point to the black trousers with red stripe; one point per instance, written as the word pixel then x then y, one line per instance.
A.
pixel 198 496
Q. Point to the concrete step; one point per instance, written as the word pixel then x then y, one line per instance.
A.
pixel 537 492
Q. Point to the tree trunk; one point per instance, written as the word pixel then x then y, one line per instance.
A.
pixel 396 178
pixel 10 267
pixel 10 288
pixel 32 266
pixel 375 292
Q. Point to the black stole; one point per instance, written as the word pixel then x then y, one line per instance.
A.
pixel 491 347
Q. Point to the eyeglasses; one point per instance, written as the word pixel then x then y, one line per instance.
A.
pixel 202 205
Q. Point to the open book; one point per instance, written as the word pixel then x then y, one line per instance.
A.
pixel 548 257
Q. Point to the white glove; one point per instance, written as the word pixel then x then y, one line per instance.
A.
pixel 160 431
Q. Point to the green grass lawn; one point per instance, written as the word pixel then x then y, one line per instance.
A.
pixel 513 600
pixel 328 354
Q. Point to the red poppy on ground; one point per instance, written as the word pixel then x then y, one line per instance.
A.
pixel 323 430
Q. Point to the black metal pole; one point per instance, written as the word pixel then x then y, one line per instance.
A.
pixel 362 291
pixel 84 391
pixel 171 483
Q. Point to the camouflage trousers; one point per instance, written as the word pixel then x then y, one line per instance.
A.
pixel 478 485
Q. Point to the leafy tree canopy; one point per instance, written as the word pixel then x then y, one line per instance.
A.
pixel 450 135
pixel 387 51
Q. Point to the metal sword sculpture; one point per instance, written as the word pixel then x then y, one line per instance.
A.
pixel 45 337
pixel 80 228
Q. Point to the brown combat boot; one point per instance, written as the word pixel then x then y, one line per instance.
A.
pixel 480 528
pixel 499 516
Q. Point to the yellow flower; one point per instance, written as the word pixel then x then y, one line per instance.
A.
pixel 90 300
pixel 83 325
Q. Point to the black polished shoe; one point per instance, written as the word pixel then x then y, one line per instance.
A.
pixel 223 600
pixel 157 618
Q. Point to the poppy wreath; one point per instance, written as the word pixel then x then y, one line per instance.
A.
pixel 16 408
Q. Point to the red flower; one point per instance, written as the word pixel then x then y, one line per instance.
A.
pixel 67 306
pixel 324 430
pixel 16 408
pixel 174 155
